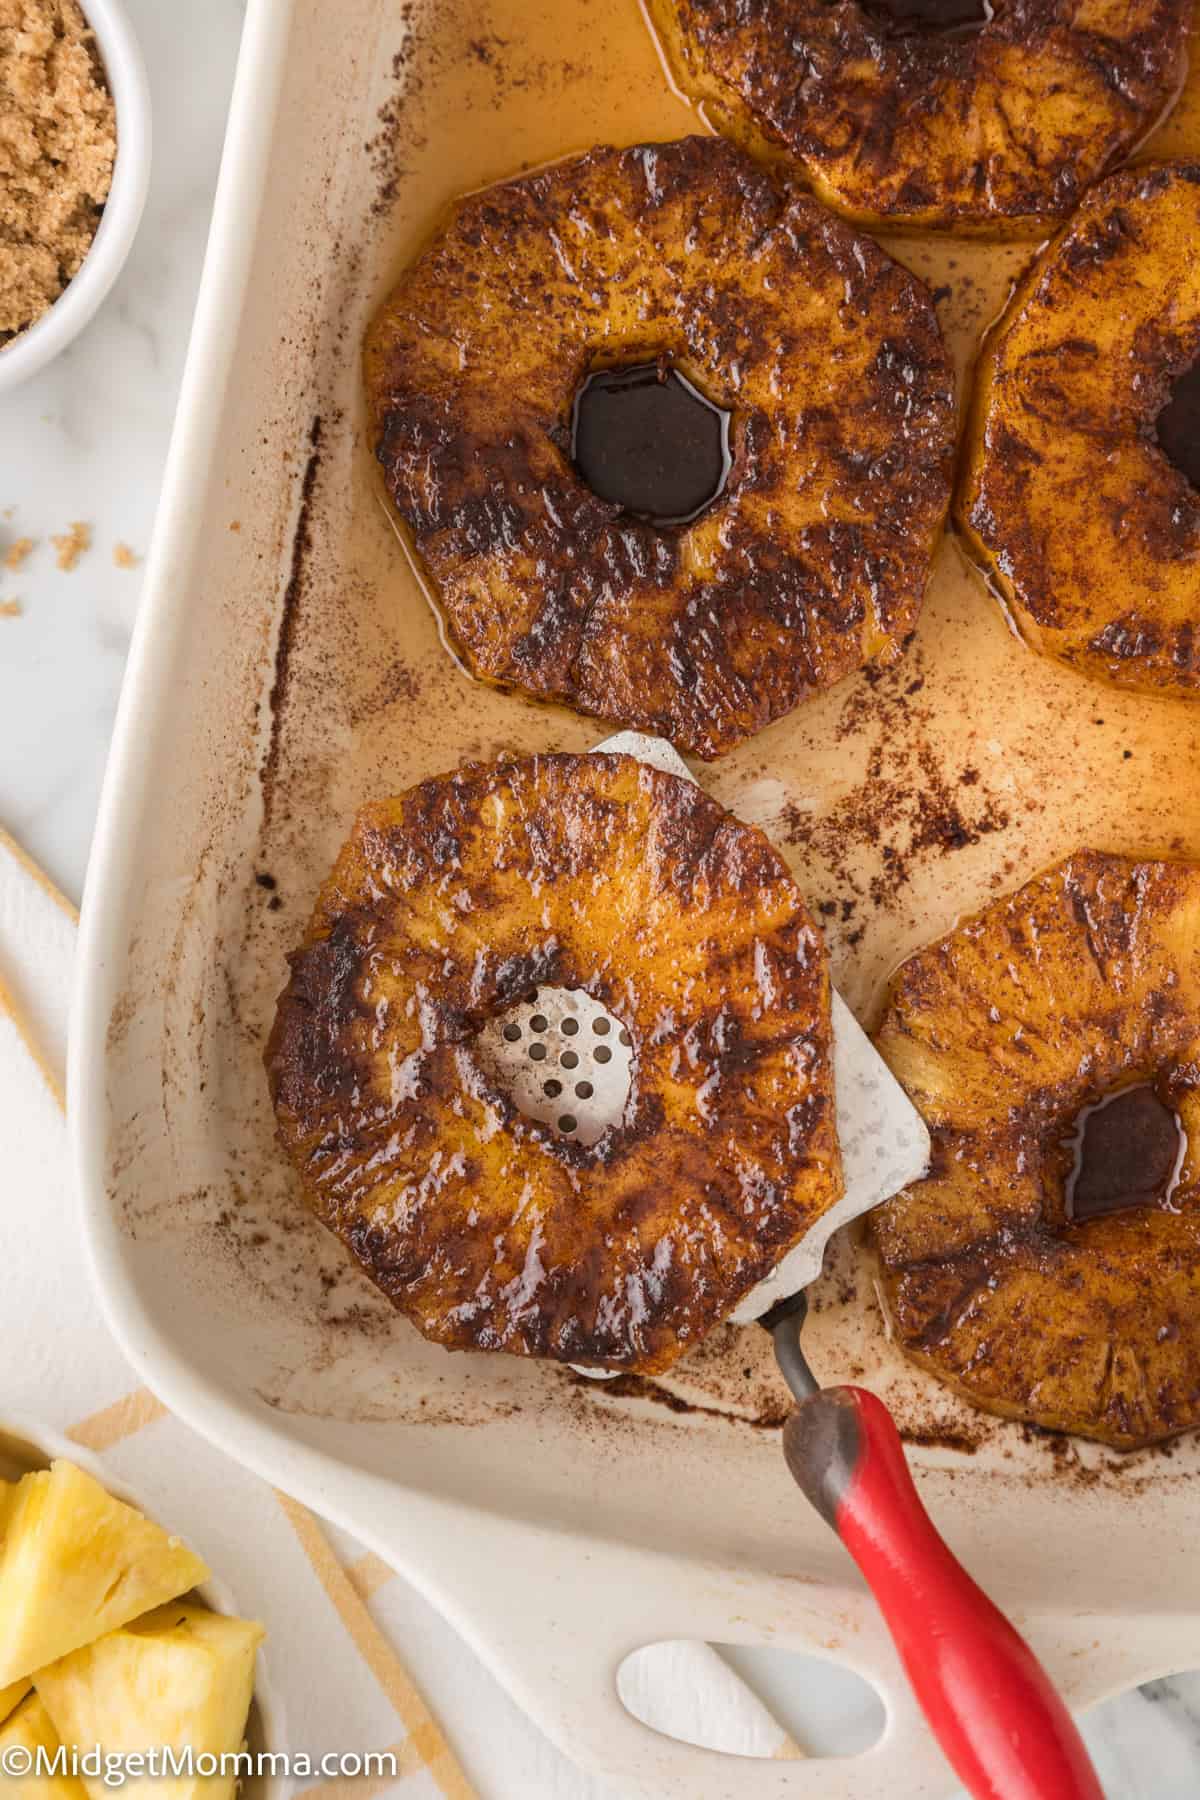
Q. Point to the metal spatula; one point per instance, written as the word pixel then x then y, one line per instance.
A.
pixel 988 1700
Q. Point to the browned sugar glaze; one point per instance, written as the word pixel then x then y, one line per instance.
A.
pixel 828 354
pixel 462 898
pixel 996 126
pixel 1083 983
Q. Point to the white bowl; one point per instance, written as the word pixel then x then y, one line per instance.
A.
pixel 27 1444
pixel 33 349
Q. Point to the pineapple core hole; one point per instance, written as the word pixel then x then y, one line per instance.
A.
pixel 1178 425
pixel 1128 1150
pixel 563 1060
pixel 931 18
pixel 645 439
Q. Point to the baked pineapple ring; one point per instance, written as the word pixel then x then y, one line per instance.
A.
pixel 466 896
pixel 1090 532
pixel 995 124
pixel 813 558
pixel 1081 989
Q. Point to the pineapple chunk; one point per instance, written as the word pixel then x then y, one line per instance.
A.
pixel 181 1676
pixel 75 1563
pixel 28 1729
pixel 16 1690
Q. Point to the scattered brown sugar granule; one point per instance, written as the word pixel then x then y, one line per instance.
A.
pixel 124 557
pixel 72 544
pixel 10 609
pixel 19 549
pixel 58 142
pixel 909 805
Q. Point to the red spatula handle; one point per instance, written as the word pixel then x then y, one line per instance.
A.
pixel 988 1699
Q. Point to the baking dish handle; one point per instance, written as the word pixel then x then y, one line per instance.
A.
pixel 554 1616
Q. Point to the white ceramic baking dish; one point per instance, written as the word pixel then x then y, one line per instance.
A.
pixel 280 673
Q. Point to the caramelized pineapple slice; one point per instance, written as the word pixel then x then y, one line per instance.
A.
pixel 75 1563
pixel 809 559
pixel 593 872
pixel 181 1677
pixel 945 114
pixel 1048 1265
pixel 30 1729
pixel 1070 497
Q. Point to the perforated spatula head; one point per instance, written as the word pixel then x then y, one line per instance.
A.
pixel 884 1141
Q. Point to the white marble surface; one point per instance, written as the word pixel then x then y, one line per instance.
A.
pixel 86 441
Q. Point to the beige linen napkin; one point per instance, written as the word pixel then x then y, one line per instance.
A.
pixel 334 1612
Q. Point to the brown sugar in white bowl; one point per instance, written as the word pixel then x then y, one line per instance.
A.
pixel 124 75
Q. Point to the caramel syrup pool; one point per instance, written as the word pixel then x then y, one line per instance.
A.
pixel 902 800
